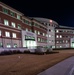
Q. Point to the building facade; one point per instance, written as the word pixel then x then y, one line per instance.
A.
pixel 50 24
pixel 64 37
pixel 17 30
pixel 14 26
pixel 10 22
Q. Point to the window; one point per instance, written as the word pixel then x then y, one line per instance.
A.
pixel 57 36
pixel 6 22
pixel 18 17
pixel 27 22
pixel 0 32
pixel 12 13
pixel 57 41
pixel 1 44
pixel 35 24
pixel 49 35
pixel 49 30
pixel 19 26
pixel 13 24
pixel 35 31
pixel 60 46
pixel 52 30
pixel 49 41
pixel 43 34
pixel 38 33
pixel 66 41
pixel 7 34
pixel 63 41
pixel 8 45
pixel 15 45
pixel 46 35
pixel 38 39
pixel 60 36
pixel 26 29
pixel 5 11
pixel 57 31
pixel 14 35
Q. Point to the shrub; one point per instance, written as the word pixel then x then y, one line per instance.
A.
pixel 16 52
pixel 26 51
pixel 6 52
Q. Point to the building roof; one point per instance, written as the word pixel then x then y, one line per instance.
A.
pixel 45 20
pixel 8 7
pixel 64 27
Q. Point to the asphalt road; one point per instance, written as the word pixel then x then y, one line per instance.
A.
pixel 65 67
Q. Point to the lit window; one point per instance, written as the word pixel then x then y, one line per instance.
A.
pixel 15 45
pixel 60 46
pixel 57 41
pixel 13 24
pixel 18 17
pixel 46 35
pixel 26 29
pixel 0 32
pixel 43 34
pixel 52 30
pixel 57 36
pixel 35 31
pixel 57 31
pixel 6 22
pixel 1 44
pixel 38 33
pixel 38 39
pixel 60 36
pixel 49 35
pixel 8 45
pixel 14 35
pixel 7 34
pixel 66 41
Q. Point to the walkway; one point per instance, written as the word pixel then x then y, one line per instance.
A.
pixel 65 67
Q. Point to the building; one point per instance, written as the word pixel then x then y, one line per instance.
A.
pixel 18 31
pixel 50 24
pixel 10 26
pixel 64 37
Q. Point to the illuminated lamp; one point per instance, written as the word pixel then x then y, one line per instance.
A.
pixel 50 20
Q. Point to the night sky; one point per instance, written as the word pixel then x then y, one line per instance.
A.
pixel 60 11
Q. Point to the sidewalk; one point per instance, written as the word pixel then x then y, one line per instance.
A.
pixel 65 67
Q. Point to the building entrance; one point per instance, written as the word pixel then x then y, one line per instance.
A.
pixel 30 42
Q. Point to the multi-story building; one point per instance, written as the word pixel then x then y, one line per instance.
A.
pixel 10 26
pixel 41 31
pixel 64 37
pixel 17 30
pixel 50 24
